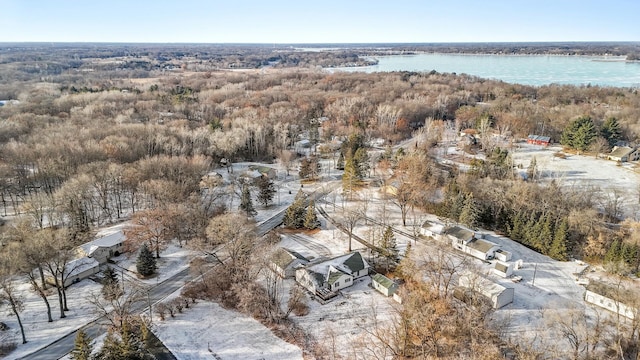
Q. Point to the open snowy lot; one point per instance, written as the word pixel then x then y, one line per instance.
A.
pixel 208 331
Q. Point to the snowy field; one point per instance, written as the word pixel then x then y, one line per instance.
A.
pixel 208 331
pixel 38 331
pixel 581 171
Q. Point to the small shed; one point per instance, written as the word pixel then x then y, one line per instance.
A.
pixel 502 255
pixel 383 284
pixel 431 229
pixel 503 269
pixel 538 140
pixel 80 269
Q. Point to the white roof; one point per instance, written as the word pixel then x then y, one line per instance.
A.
pixel 481 284
pixel 104 242
pixel 80 265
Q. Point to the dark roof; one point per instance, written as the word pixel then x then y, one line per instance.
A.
pixel 355 262
pixel 501 267
pixel 481 245
pixel 459 232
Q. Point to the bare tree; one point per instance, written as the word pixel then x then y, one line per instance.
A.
pixel 351 219
pixel 9 295
pixel 154 226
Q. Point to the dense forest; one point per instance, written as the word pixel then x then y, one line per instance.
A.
pixel 97 134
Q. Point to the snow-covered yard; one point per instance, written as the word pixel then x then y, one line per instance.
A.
pixel 38 331
pixel 208 331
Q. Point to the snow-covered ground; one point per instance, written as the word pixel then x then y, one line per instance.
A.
pixel 208 331
pixel 38 331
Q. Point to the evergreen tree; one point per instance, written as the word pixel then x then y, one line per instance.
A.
pixel 246 204
pixel 146 263
pixel 311 220
pixel 340 163
pixel 110 284
pixel 579 134
pixel 389 248
pixel 470 214
pixel 558 248
pixel 614 252
pixel 611 130
pixel 295 214
pixel 350 177
pixel 266 190
pixel 546 236
pixel 532 169
pixel 361 163
pixel 82 347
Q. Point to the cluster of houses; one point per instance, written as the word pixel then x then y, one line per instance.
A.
pixel 474 244
pixel 322 277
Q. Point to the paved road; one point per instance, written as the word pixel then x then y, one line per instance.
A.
pixel 64 345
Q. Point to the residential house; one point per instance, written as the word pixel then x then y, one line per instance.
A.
pixel 284 262
pixel 624 154
pixel 471 243
pixel 538 140
pixel 80 269
pixel 102 249
pixel 383 284
pixel 325 277
pixel 497 294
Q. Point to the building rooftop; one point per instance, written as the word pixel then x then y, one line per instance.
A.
pixel 384 281
pixel 460 232
pixel 481 245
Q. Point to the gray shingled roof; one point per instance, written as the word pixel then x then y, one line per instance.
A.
pixel 481 245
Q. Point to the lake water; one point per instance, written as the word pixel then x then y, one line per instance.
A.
pixel 520 69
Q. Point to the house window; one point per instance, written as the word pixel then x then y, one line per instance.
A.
pixel 337 283
pixel 347 280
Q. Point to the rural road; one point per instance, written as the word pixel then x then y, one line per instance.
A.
pixel 64 345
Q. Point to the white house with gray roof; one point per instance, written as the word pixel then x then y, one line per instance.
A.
pixel 471 243
pixel 325 277
pixel 104 248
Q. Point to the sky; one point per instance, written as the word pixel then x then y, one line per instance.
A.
pixel 313 21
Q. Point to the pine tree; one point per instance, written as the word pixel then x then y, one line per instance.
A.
pixel 310 219
pixel 546 236
pixel 340 163
pixel 82 347
pixel 611 131
pixel 266 190
pixel 295 214
pixel 110 284
pixel 146 263
pixel 361 163
pixel 389 247
pixel 350 177
pixel 558 248
pixel 579 134
pixel 246 203
pixel 532 169
pixel 470 214
pixel 613 254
